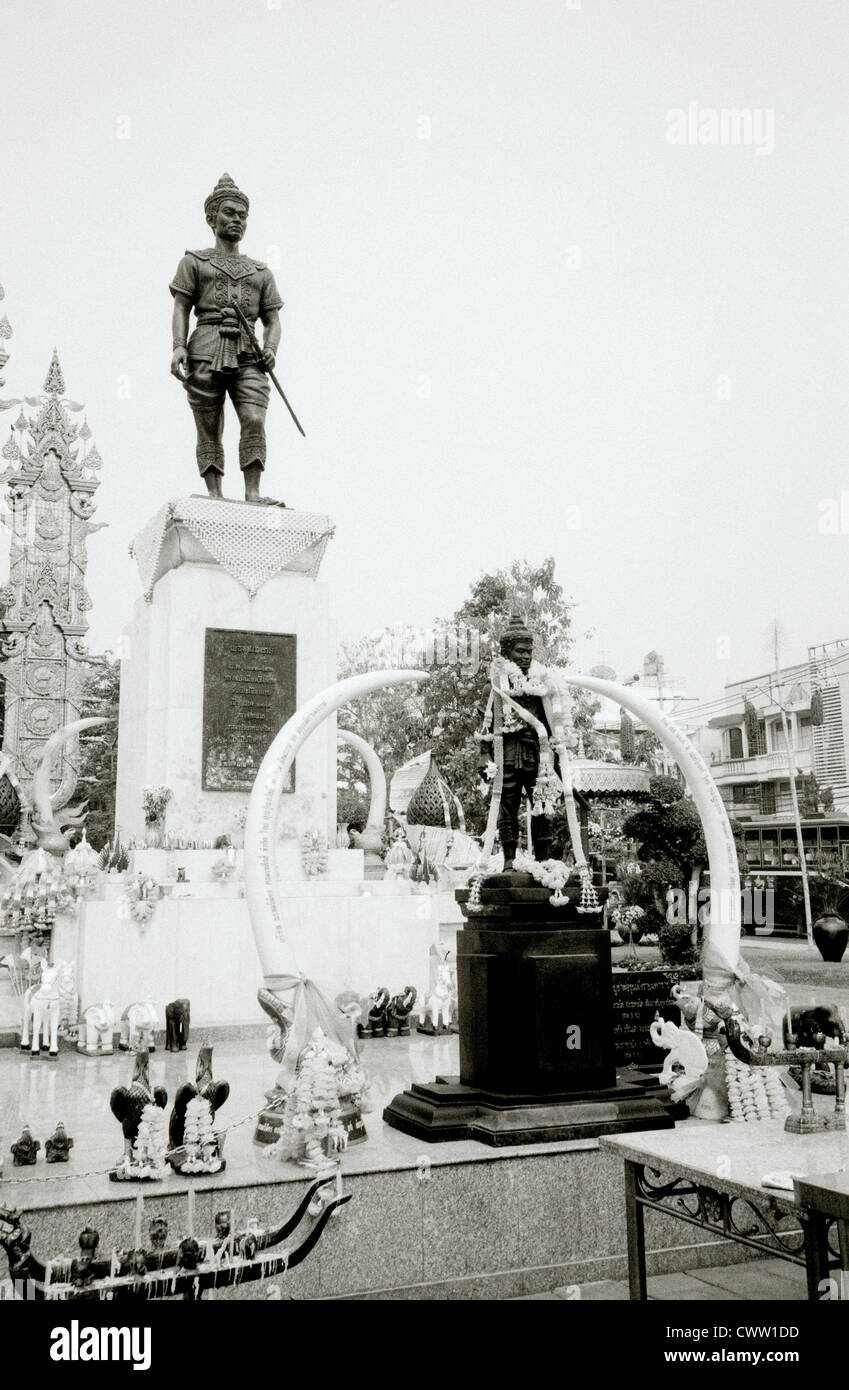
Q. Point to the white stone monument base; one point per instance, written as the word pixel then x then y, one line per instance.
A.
pixel 343 865
pixel 199 945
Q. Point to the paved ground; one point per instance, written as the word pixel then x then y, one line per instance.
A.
pixel 773 1281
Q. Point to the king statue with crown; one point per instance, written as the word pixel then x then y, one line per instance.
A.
pixel 228 292
pixel 525 736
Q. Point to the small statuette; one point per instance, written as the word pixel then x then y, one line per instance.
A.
pixel 25 1151
pixel 58 1146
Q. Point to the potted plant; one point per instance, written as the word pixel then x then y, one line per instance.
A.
pixel 830 897
pixel 154 801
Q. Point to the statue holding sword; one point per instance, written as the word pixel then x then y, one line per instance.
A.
pixel 228 292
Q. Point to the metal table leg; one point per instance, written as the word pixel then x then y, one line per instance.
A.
pixel 816 1254
pixel 636 1236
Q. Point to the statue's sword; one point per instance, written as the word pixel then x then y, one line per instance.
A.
pixel 254 342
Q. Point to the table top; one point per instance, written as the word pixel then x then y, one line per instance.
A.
pixel 826 1192
pixel 737 1157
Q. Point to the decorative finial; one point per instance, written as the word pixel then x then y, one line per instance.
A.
pixel 225 188
pixel 515 631
pixel 54 382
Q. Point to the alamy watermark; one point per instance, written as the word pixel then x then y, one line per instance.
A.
pixel 752 126
pixel 408 647
pixel 757 907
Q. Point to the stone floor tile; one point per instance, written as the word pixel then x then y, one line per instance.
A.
pixel 683 1288
pixel 774 1280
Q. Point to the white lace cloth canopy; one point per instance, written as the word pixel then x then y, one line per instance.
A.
pixel 252 543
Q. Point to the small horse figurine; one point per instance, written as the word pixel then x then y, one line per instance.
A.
pixel 42 1006
pixel 438 1004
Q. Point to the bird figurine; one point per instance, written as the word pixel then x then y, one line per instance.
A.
pixel 128 1104
pixel 205 1088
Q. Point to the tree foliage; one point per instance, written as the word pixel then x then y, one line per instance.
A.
pixel 443 713
pixel 99 749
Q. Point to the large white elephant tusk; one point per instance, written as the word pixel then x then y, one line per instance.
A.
pixel 41 798
pixel 722 934
pixel 376 776
pixel 265 904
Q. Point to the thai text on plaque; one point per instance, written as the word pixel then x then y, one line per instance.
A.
pixel 249 691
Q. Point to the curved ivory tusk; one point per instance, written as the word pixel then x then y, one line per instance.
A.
pixel 376 776
pixel 265 904
pixel 41 798
pixel 722 934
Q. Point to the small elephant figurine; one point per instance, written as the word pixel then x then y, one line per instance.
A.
pixel 177 1017
pixel 398 1013
pixel 98 1024
pixel 42 1008
pixel 686 1051
pixel 137 1024
pixel 375 1024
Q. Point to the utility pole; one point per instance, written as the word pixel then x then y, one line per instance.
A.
pixel 803 863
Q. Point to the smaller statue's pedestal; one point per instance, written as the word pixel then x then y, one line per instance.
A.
pixel 536 1031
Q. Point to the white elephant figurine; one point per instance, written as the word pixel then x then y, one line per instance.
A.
pixel 98 1024
pixel 42 1006
pixel 137 1024
pixel 686 1051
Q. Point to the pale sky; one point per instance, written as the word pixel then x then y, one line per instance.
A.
pixel 518 320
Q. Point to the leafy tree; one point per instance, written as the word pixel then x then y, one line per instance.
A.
pixel 99 749
pixel 443 714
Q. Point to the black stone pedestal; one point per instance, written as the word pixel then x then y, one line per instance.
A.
pixel 537 1058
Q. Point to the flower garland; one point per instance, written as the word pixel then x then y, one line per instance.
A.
pixel 754 1093
pixel 536 682
pixel 142 894
pixel 200 1140
pixel 313 1131
pixel 551 873
pixel 154 801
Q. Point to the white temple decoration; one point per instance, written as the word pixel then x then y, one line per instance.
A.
pixel 253 544
pixel 51 481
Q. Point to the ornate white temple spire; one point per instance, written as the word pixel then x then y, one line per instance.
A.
pixel 5 335
pixel 51 479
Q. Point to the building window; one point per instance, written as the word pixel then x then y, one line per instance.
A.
pixel 735 743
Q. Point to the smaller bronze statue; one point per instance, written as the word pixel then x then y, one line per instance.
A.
pixel 505 732
pixel 158 1232
pixel 58 1147
pixel 25 1150
pixel 177 1018
pixel 81 1266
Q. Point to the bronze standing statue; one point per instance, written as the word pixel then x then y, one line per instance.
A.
pixel 520 761
pixel 228 292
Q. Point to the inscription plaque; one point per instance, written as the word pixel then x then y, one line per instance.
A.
pixel 249 691
pixel 637 996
